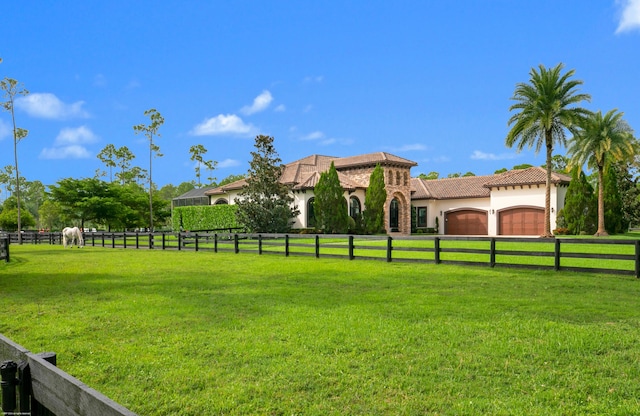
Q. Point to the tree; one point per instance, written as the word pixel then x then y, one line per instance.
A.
pixel 108 157
pixel 546 109
pixel 522 166
pixel 375 198
pixel 50 215
pixel 580 211
pixel 9 216
pixel 149 131
pixel 629 192
pixel 429 176
pixel 614 222
pixel 123 158
pixel 11 88
pixel 197 153
pixel 231 178
pixel 265 204
pixel 599 141
pixel 330 206
pixel 559 163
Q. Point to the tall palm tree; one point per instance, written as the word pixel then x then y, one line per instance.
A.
pixel 546 108
pixel 600 141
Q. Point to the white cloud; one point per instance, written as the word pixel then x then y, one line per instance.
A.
pixel 73 136
pixel 260 103
pixel 316 79
pixel 316 135
pixel 69 144
pixel 5 130
pixel 281 108
pixel 46 105
pixel 228 163
pixel 65 152
pixel 630 16
pixel 223 124
pixel 479 155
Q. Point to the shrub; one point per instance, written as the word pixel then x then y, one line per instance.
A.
pixel 204 217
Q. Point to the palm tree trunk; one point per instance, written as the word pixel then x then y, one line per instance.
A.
pixel 547 191
pixel 601 230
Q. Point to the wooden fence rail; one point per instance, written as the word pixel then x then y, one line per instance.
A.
pixel 33 385
pixel 575 254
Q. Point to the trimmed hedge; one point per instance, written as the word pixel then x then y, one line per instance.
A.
pixel 204 217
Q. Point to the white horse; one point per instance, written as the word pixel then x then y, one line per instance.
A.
pixel 71 234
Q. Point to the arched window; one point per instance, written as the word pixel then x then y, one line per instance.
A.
pixel 221 201
pixel 394 215
pixel 354 207
pixel 311 215
pixel 398 179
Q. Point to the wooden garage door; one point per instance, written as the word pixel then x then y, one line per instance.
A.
pixel 466 222
pixel 521 221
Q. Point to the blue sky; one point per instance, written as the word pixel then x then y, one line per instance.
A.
pixel 430 81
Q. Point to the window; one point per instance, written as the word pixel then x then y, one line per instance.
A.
pixel 311 216
pixel 354 207
pixel 421 217
pixel 394 215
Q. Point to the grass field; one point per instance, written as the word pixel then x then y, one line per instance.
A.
pixel 193 333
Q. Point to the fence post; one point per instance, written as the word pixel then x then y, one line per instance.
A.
pixel 196 241
pixel 236 243
pixel 215 243
pixel 164 235
pixel 389 248
pixel 286 245
pixel 151 239
pixel 8 370
pixel 492 256
pixel 637 259
pixel 351 256
pixel 259 243
pixel 124 239
pixel 556 265
pixel 317 246
pixel 180 240
pixel 24 387
pixel 113 240
pixel 436 250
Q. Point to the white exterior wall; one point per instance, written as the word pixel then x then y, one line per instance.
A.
pixel 527 196
pixel 300 199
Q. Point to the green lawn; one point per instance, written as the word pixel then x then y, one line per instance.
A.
pixel 192 333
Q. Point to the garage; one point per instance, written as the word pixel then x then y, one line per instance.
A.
pixel 466 222
pixel 521 221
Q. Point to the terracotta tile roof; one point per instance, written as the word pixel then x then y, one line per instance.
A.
pixel 371 159
pixel 233 186
pixel 530 176
pixel 480 186
pixel 312 179
pixel 451 188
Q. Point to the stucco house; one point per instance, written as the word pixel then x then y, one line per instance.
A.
pixel 510 203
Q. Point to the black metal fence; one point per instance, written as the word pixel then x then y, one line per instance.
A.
pixel 612 256
pixel 33 385
pixel 4 248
